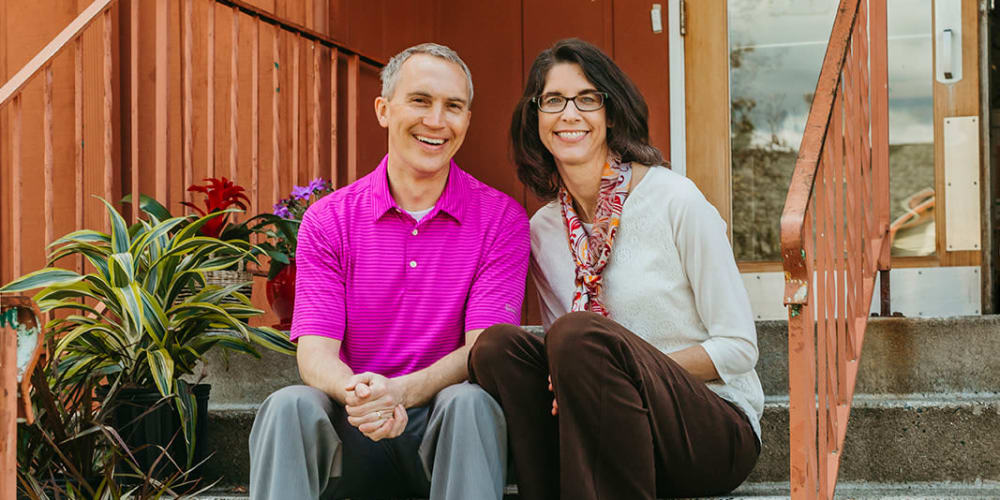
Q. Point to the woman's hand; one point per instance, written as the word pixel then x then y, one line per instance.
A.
pixel 555 405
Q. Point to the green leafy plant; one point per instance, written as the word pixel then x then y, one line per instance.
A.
pixel 281 228
pixel 129 319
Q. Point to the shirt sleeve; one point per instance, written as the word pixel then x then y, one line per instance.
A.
pixel 720 296
pixel 497 293
pixel 320 289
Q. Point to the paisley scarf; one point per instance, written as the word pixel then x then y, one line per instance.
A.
pixel 592 252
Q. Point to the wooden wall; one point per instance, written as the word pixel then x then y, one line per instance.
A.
pixel 492 37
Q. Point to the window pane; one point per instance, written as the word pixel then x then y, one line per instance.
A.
pixel 776 50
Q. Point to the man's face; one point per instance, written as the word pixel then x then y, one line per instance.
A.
pixel 426 116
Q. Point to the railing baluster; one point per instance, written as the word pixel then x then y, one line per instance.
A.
pixel 833 179
pixel 17 186
pixel 78 140
pixel 186 119
pixel 210 92
pixel 275 123
pixel 353 79
pixel 838 143
pixel 296 41
pixel 109 163
pixel 822 373
pixel 134 105
pixel 314 126
pixel 48 160
pixel 162 118
pixel 880 120
pixel 333 115
pixel 255 116
pixel 234 91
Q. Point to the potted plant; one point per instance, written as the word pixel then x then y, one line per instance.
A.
pixel 281 229
pixel 221 195
pixel 127 320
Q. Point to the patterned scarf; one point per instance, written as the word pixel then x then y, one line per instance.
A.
pixel 591 253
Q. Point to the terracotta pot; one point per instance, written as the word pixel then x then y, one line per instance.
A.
pixel 281 296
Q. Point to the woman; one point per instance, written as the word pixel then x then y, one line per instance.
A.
pixel 650 345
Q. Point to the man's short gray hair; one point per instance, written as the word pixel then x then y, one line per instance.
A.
pixel 390 73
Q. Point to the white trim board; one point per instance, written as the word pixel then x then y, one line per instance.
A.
pixel 918 292
pixel 678 106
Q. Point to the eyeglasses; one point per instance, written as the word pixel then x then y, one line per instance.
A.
pixel 555 103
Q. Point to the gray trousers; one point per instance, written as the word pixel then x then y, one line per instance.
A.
pixel 302 447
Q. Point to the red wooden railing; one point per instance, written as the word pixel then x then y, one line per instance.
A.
pixel 834 238
pixel 322 54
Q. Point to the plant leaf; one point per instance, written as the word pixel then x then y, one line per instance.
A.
pixel 119 231
pixel 187 408
pixel 50 276
pixel 121 270
pixel 161 366
pixel 272 339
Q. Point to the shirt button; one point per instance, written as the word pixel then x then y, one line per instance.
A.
pixel 414 232
pixel 413 263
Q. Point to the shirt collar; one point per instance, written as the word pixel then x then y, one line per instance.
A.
pixel 452 200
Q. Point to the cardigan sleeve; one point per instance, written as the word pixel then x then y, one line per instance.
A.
pixel 720 296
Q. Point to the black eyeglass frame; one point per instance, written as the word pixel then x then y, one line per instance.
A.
pixel 604 97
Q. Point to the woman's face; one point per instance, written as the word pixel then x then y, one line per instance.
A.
pixel 573 137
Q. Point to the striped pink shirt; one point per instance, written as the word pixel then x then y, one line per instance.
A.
pixel 400 294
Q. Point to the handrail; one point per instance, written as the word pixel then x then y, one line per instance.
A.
pixel 300 30
pixel 810 150
pixel 834 239
pixel 52 49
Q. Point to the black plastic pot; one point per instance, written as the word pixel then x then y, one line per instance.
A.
pixel 147 434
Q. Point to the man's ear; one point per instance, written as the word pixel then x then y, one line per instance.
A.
pixel 382 111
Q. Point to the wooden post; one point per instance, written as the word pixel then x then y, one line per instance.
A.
pixel 8 413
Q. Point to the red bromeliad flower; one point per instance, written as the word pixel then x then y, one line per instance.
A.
pixel 220 194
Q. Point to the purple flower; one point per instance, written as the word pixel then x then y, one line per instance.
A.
pixel 301 192
pixel 317 184
pixel 281 211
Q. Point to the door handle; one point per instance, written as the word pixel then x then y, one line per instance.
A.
pixel 948 39
pixel 946 49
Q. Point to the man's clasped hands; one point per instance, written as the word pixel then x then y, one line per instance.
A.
pixel 375 406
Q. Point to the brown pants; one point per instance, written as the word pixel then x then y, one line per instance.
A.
pixel 632 423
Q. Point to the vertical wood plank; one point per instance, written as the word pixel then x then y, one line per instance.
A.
pixel 48 161
pixel 255 117
pixel 275 118
pixel 134 104
pixel 187 144
pixel 8 413
pixel 162 122
pixel 314 124
pixel 333 116
pixel 353 78
pixel 210 95
pixel 17 185
pixel 109 164
pixel 296 42
pixel 234 90
pixel 78 140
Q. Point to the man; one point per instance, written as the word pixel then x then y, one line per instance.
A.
pixel 397 274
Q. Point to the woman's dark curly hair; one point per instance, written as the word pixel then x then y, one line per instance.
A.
pixel 626 112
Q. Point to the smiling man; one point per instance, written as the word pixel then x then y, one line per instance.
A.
pixel 397 274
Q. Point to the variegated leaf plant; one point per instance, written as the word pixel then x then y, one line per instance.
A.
pixel 148 334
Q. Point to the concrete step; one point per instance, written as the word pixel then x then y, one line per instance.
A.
pixel 848 490
pixel 903 355
pixel 890 439
pixel 900 356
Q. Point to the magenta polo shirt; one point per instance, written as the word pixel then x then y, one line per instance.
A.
pixel 400 294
